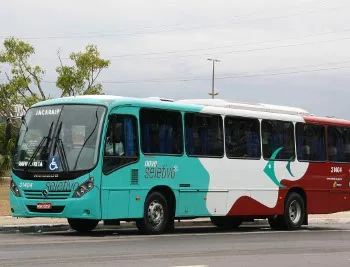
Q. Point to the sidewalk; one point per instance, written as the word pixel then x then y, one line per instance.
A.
pixel 8 223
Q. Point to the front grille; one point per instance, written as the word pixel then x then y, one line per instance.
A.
pixel 54 209
pixel 37 194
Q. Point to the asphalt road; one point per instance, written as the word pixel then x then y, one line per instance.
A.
pixel 249 246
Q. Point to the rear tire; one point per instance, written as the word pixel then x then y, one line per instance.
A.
pixel 155 220
pixel 294 214
pixel 83 225
pixel 295 211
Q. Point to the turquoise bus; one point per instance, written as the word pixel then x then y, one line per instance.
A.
pixel 153 160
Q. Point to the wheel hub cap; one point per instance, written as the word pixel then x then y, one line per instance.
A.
pixel 295 211
pixel 155 213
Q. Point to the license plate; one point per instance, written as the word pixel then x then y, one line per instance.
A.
pixel 43 206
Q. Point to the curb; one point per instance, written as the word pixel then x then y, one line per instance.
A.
pixel 28 228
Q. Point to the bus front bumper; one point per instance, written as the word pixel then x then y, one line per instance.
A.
pixel 85 207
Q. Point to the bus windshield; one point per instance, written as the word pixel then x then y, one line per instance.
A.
pixel 59 138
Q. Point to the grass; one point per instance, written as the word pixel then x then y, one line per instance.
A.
pixel 4 197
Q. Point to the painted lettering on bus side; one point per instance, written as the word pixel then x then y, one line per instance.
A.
pixel 151 163
pixel 336 169
pixel 61 186
pixel 164 172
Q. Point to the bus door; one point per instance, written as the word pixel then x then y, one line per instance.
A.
pixel 120 163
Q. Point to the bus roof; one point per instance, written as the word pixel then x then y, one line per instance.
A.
pixel 327 121
pixel 218 104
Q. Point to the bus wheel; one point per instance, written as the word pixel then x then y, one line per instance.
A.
pixel 294 211
pixel 294 214
pixel 156 215
pixel 83 225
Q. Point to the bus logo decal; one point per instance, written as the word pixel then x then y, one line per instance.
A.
pixel 270 168
pixel 288 166
pixel 44 193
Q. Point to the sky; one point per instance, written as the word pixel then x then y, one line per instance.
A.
pixel 293 53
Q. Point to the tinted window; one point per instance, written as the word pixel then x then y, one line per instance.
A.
pixel 338 144
pixel 72 131
pixel 310 142
pixel 242 137
pixel 204 135
pixel 161 132
pixel 275 135
pixel 121 146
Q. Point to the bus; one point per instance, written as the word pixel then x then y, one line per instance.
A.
pixel 151 161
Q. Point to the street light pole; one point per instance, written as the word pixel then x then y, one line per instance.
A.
pixel 212 81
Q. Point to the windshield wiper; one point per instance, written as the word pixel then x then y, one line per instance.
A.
pixel 48 139
pixel 60 148
pixel 76 162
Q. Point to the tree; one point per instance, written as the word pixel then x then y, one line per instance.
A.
pixel 80 79
pixel 6 147
pixel 22 86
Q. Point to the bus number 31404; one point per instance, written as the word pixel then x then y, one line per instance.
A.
pixel 336 169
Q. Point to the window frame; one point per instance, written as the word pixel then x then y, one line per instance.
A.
pixel 325 142
pixel 199 114
pixel 294 141
pixel 259 133
pixel 137 142
pixel 181 130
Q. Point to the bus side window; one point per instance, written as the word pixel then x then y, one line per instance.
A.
pixel 161 132
pixel 338 144
pixel 278 134
pixel 114 143
pixel 242 137
pixel 121 145
pixel 204 135
pixel 310 142
pixel 346 137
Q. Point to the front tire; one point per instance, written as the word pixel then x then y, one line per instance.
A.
pixel 83 225
pixel 155 220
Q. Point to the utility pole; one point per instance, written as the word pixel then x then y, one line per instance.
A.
pixel 212 82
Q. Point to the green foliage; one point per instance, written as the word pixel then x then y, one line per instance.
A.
pixel 80 79
pixel 24 78
pixel 22 87
pixel 6 149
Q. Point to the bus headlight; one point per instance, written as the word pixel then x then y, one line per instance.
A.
pixel 14 188
pixel 84 188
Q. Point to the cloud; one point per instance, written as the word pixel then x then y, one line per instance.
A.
pixel 171 40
